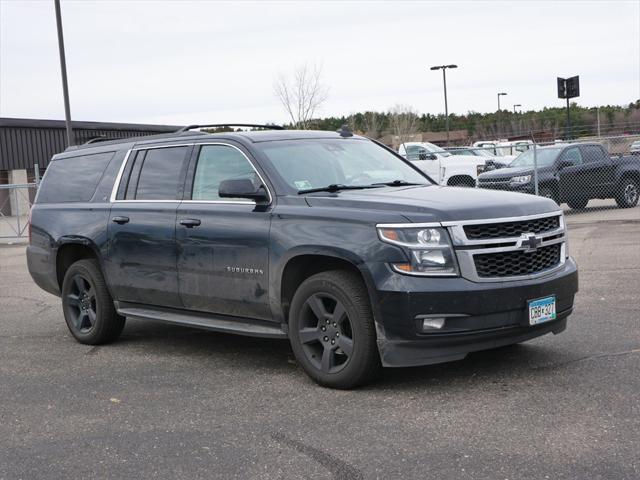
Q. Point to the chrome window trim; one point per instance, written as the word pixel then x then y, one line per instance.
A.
pixel 234 202
pixel 116 185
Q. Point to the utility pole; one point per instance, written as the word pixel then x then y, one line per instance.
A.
pixel 444 80
pixel 63 69
pixel 598 119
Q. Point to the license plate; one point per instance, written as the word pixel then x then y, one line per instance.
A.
pixel 542 310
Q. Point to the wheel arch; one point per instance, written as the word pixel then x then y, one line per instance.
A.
pixel 305 262
pixel 71 249
pixel 461 179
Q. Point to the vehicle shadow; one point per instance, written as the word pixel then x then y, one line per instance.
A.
pixel 209 349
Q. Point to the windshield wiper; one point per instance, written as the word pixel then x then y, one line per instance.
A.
pixel 335 187
pixel 398 183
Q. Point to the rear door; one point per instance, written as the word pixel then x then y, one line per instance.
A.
pixel 599 170
pixel 223 243
pixel 142 256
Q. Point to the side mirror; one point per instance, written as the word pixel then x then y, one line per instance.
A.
pixel 432 156
pixel 242 188
pixel 564 164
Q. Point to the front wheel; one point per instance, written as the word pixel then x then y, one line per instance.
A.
pixel 332 332
pixel 87 305
pixel 628 193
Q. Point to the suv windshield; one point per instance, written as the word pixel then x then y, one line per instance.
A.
pixel 316 163
pixel 546 156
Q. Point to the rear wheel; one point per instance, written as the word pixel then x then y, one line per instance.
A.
pixel 332 331
pixel 578 203
pixel 88 306
pixel 628 193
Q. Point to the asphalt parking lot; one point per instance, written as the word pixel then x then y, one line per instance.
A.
pixel 172 402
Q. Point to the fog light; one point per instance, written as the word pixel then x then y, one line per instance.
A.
pixel 432 324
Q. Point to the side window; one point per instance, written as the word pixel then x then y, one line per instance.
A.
pixel 592 153
pixel 573 155
pixel 215 164
pixel 156 174
pixel 415 151
pixel 73 179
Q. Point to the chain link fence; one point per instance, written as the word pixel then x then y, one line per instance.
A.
pixel 581 175
pixel 15 203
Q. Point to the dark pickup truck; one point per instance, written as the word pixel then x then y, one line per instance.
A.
pixel 330 240
pixel 571 174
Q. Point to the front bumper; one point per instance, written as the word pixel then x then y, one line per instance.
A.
pixel 480 316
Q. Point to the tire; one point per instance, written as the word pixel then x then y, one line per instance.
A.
pixel 332 331
pixel 87 305
pixel 628 193
pixel 578 203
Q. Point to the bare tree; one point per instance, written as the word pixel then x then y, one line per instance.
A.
pixel 302 95
pixel 403 122
pixel 371 124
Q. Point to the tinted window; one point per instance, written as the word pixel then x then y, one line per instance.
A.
pixel 592 153
pixel 73 179
pixel 573 155
pixel 215 164
pixel 160 174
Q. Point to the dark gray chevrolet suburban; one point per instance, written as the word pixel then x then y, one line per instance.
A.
pixel 328 239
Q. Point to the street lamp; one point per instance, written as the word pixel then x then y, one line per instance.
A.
pixel 500 94
pixel 444 80
pixel 516 105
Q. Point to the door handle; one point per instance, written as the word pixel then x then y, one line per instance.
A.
pixel 120 220
pixel 190 222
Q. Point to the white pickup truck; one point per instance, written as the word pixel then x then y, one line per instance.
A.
pixel 441 166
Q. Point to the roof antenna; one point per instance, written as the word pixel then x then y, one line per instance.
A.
pixel 345 131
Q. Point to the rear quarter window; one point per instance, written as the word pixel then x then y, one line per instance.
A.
pixel 73 179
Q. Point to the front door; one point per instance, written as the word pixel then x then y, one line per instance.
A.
pixel 223 243
pixel 142 256
pixel 573 180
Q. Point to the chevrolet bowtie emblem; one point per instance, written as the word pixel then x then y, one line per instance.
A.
pixel 530 242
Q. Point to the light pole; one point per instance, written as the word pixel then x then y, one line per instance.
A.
pixel 444 80
pixel 515 106
pixel 499 95
pixel 63 69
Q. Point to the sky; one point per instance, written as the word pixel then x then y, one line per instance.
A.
pixel 181 62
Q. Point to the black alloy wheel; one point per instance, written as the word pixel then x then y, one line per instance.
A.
pixel 80 303
pixel 332 330
pixel 87 304
pixel 325 333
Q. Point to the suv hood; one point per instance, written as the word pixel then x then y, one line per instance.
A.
pixel 435 203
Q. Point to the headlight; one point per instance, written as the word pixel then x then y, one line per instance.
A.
pixel 429 250
pixel 522 179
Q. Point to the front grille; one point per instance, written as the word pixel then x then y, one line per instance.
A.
pixel 517 263
pixel 511 229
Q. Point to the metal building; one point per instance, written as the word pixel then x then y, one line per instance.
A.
pixel 26 142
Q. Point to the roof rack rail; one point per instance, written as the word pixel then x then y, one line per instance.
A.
pixel 101 138
pixel 218 125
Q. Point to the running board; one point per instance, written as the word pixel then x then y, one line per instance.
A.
pixel 226 324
